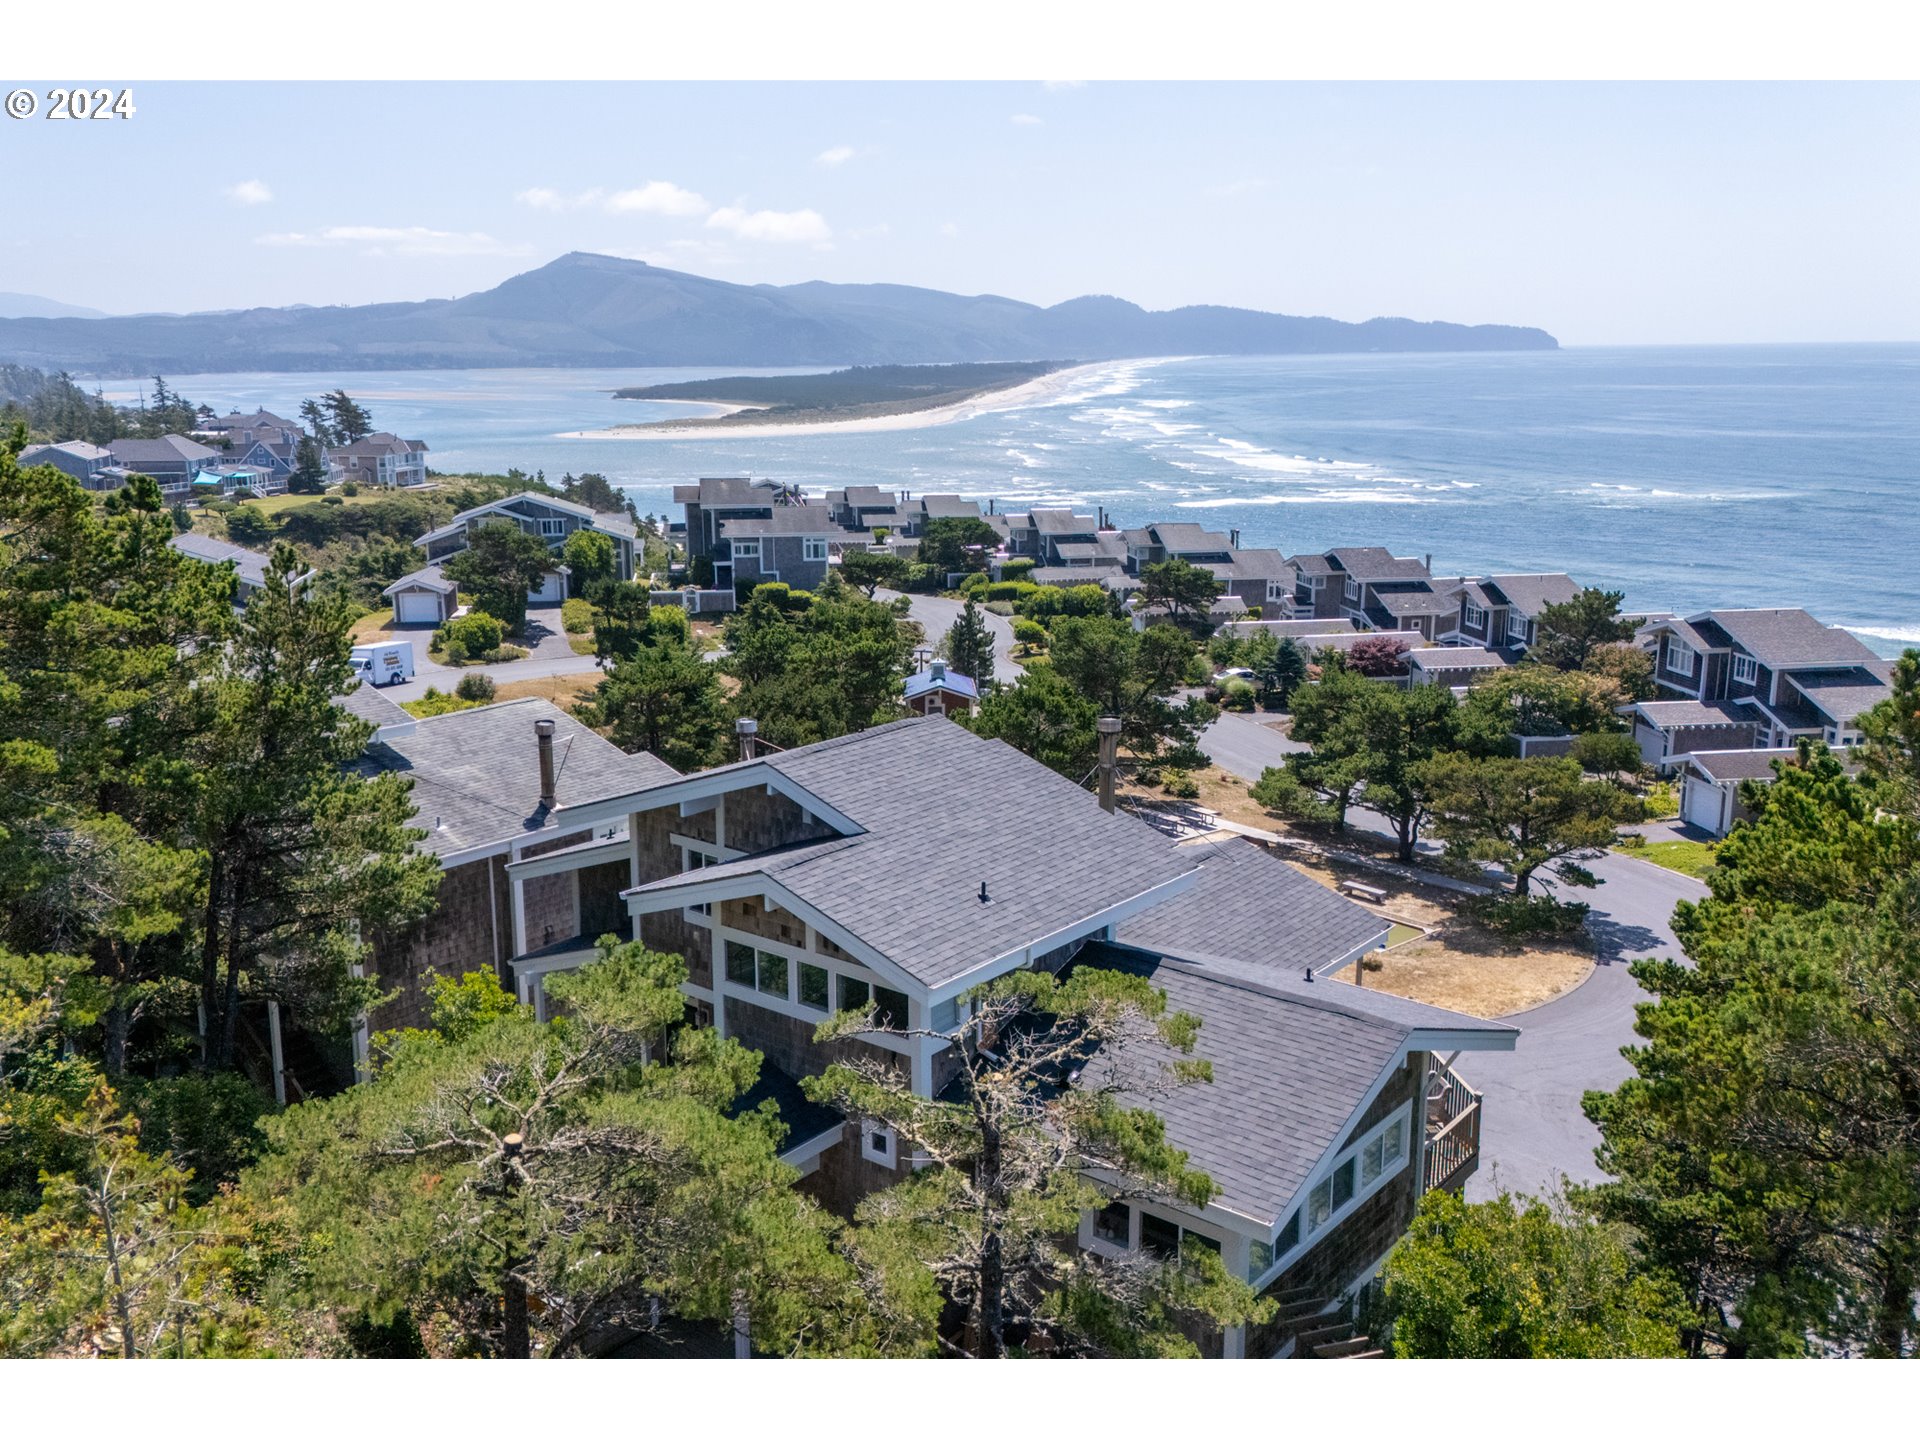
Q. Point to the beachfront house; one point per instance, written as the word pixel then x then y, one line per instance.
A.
pixel 547 516
pixel 816 879
pixel 790 543
pixel 1040 533
pixel 715 499
pixel 1791 674
pixel 92 465
pixel 1502 612
pixel 1667 731
pixel 864 508
pixel 172 460
pixel 382 458
pixel 1454 666
pixel 1373 588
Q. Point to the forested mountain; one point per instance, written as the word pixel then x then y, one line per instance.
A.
pixel 598 310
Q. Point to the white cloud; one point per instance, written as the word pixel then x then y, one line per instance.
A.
pixel 396 240
pixel 658 197
pixel 1023 119
pixel 838 155
pixel 249 192
pixel 785 227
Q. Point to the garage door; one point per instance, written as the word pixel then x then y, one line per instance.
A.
pixel 1700 804
pixel 550 591
pixel 417 607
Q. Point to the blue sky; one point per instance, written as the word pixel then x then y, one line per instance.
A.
pixel 1609 214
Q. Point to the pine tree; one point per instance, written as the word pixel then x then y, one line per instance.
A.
pixel 969 645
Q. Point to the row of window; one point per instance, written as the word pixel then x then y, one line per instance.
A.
pixel 815 550
pixel 810 985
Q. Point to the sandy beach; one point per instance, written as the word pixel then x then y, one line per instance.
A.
pixel 1034 392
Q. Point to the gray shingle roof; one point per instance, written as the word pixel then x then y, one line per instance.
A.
pixel 1421 601
pixel 1530 594
pixel 1183 535
pixel 1251 907
pixel 370 705
pixel 427 577
pixel 1672 714
pixel 1292 1063
pixel 250 564
pixel 1296 629
pixel 167 450
pixel 1062 522
pixel 1789 637
pixel 943 810
pixel 1457 657
pixel 1739 764
pixel 1842 695
pixel 476 773
pixel 1375 562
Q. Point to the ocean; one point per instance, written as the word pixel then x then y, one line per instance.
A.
pixel 1686 476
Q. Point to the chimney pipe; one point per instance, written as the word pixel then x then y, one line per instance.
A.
pixel 749 732
pixel 1429 561
pixel 1234 539
pixel 1109 728
pixel 543 729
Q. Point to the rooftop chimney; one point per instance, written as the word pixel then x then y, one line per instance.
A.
pixel 938 670
pixel 1109 728
pixel 544 730
pixel 1233 538
pixel 749 732
pixel 1429 560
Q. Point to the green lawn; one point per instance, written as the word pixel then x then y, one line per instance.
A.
pixel 1689 857
pixel 273 505
pixel 1402 933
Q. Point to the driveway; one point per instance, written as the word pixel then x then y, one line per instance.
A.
pixel 1532 1129
pixel 549 653
pixel 936 614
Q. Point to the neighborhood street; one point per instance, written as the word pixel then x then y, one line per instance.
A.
pixel 546 644
pixel 936 615
pixel 1533 1131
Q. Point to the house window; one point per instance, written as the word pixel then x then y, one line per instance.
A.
pixel 1475 616
pixel 877 1142
pixel 746 549
pixel 1746 669
pixel 813 986
pixel 1517 626
pixel 814 550
pixel 1159 1237
pixel 854 994
pixel 1680 657
pixel 1113 1225
pixel 1330 1194
pixel 1289 1235
pixel 1259 1259
pixel 552 529
pixel 1353 590
pixel 741 969
pixel 890 1008
pixel 773 974
pixel 691 859
pixel 1380 1152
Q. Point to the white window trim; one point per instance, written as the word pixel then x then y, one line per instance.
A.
pixel 1678 650
pixel 811 550
pixel 871 1128
pixel 1098 1246
pixel 1474 616
pixel 553 529
pixel 1746 670
pixel 1352 590
pixel 790 1005
pixel 1516 626
pixel 714 854
pixel 745 550
pixel 1311 1236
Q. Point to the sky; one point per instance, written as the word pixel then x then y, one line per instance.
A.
pixel 1609 214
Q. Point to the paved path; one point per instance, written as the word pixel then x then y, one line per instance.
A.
pixel 936 615
pixel 1533 1130
pixel 549 653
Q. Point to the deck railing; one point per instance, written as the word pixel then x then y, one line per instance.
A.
pixel 1453 1127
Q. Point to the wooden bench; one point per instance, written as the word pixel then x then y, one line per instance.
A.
pixel 1364 892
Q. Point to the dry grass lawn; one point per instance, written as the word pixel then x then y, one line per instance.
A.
pixel 562 690
pixel 377 625
pixel 1459 965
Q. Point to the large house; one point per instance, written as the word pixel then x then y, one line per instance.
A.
pixel 1373 588
pixel 92 465
pixel 172 460
pixel 789 543
pixel 547 516
pixel 382 458
pixel 1502 612
pixel 1041 532
pixel 249 566
pixel 715 499
pixel 1791 675
pixel 802 882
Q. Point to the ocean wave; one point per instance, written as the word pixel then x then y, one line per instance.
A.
pixel 1024 459
pixel 1316 497
pixel 1905 634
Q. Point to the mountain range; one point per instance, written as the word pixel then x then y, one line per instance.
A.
pixel 599 310
pixel 14 305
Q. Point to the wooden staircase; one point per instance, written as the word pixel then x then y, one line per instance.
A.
pixel 1320 1329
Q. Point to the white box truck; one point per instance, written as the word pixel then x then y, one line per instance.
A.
pixel 389 663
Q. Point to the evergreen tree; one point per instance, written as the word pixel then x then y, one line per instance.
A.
pixel 814 667
pixel 317 424
pixel 500 565
pixel 868 570
pixel 588 555
pixel 1013 1156
pixel 954 543
pixel 969 646
pixel 1186 590
pixel 664 699
pixel 346 420
pixel 1526 814
pixel 1567 634
pixel 1043 716
pixel 309 475
pixel 299 847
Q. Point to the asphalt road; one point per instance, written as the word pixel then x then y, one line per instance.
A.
pixel 1532 1130
pixel 550 654
pixel 936 615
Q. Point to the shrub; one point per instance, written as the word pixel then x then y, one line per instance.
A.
pixel 453 652
pixel 1661 801
pixel 436 702
pixel 998 607
pixel 1148 775
pixel 1014 590
pixel 1237 695
pixel 921 579
pixel 331 500
pixel 1180 785
pixel 1018 569
pixel 1527 916
pixel 1632 840
pixel 576 617
pixel 974 583
pixel 349 487
pixel 500 654
pixel 1608 753
pixel 474 632
pixel 476 687
pixel 1029 632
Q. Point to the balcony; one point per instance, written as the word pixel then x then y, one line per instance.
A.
pixel 1453 1128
